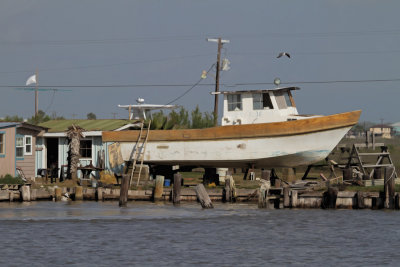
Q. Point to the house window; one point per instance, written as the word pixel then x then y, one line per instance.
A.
pixel 19 146
pixel 85 148
pixel 28 145
pixel 262 101
pixel 234 102
pixel 2 143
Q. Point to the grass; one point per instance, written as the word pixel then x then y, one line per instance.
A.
pixel 9 179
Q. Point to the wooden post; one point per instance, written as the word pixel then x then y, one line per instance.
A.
pixel 286 196
pixel 347 174
pixel 203 197
pixel 25 193
pixel 289 175
pixel 397 201
pixel 377 173
pixel 265 175
pixel 176 190
pixel 389 184
pixel 263 193
pixel 78 193
pixel 229 190
pixel 58 192
pixel 329 198
pixel 123 195
pixel 99 193
pixel 360 200
pixel 294 199
pixel 159 188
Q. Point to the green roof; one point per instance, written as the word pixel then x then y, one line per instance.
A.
pixel 89 125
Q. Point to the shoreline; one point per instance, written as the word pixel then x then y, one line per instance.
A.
pixel 277 199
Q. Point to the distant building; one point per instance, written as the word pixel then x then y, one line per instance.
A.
pixel 395 128
pixel 382 130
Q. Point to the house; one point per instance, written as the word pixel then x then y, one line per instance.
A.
pixel 17 148
pixel 382 130
pixel 54 143
pixel 395 128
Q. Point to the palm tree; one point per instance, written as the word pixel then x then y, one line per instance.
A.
pixel 74 135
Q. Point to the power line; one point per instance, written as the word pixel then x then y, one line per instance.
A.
pixel 197 37
pixel 317 53
pixel 108 65
pixel 210 84
pixel 190 89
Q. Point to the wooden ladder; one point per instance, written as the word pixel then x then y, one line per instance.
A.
pixel 140 150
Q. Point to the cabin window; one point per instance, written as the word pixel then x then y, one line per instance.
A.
pixel 2 143
pixel 287 99
pixel 262 101
pixel 234 102
pixel 28 145
pixel 19 146
pixel 85 149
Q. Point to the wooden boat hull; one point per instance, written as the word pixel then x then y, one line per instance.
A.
pixel 266 145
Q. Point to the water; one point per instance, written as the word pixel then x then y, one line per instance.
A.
pixel 148 234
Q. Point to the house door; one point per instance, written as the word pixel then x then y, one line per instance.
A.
pixel 52 152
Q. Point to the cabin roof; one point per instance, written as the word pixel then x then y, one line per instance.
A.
pixel 88 125
pixel 149 106
pixel 259 91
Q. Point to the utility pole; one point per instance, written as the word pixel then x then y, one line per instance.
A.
pixel 36 93
pixel 220 43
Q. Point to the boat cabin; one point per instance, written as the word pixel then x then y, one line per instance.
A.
pixel 259 106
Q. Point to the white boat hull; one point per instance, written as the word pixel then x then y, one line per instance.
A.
pixel 262 152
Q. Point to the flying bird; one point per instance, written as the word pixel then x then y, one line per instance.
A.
pixel 283 54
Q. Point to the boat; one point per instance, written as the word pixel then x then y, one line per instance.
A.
pixel 259 129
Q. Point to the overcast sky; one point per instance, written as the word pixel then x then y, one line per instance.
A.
pixel 117 43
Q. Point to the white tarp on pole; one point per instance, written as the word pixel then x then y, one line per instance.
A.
pixel 31 80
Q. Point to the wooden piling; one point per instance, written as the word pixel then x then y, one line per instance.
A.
pixel 347 174
pixel 397 201
pixel 289 175
pixel 203 197
pixel 99 193
pixel 360 200
pixel 58 192
pixel 295 200
pixel 123 195
pixel 78 193
pixel 25 193
pixel 176 190
pixel 377 173
pixel 11 195
pixel 229 190
pixel 329 198
pixel 263 192
pixel 389 185
pixel 286 197
pixel 265 175
pixel 159 188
